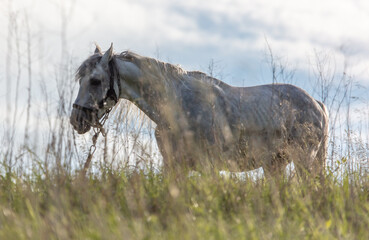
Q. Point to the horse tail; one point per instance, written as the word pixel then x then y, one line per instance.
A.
pixel 323 148
pixel 324 108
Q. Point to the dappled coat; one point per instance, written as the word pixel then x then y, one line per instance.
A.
pixel 201 121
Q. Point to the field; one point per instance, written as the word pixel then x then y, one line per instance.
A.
pixel 125 195
pixel 121 204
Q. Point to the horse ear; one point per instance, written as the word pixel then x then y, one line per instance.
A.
pixel 97 49
pixel 108 55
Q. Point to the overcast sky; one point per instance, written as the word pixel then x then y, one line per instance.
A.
pixel 191 33
pixel 234 33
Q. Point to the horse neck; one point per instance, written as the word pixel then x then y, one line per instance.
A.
pixel 151 94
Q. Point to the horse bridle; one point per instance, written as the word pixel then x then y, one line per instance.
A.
pixel 98 127
pixel 111 93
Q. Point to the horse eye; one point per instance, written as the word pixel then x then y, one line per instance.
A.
pixel 95 81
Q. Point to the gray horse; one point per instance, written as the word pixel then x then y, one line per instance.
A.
pixel 201 121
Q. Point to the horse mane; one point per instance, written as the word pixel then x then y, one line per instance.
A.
pixel 167 71
pixel 153 67
pixel 151 64
pixel 88 64
pixel 206 78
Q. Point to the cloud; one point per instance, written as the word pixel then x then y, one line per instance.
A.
pixel 231 32
pixel 191 32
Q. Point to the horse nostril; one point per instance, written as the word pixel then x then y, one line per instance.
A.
pixel 79 121
pixel 74 117
pixel 72 120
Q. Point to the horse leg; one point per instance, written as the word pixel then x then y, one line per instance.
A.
pixel 309 153
pixel 171 150
pixel 163 148
pixel 320 158
pixel 306 162
pixel 276 168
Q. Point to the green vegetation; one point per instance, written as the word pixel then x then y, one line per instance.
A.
pixel 118 204
pixel 43 196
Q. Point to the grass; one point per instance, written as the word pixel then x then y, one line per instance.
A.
pixel 121 204
pixel 43 197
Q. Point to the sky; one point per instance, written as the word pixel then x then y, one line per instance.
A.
pixel 236 35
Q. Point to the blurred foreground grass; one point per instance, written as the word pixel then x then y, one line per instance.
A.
pixel 118 204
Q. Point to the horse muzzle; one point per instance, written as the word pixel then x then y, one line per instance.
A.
pixel 82 120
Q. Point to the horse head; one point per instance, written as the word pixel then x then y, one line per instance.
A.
pixel 98 91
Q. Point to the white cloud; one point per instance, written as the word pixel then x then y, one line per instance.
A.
pixel 221 29
pixel 189 33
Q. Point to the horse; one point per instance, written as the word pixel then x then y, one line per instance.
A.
pixel 202 122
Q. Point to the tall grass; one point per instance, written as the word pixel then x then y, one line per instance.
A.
pixel 121 204
pixel 124 195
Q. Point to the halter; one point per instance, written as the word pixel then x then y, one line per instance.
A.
pixel 111 93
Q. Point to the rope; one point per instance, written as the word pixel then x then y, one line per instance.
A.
pixel 98 128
